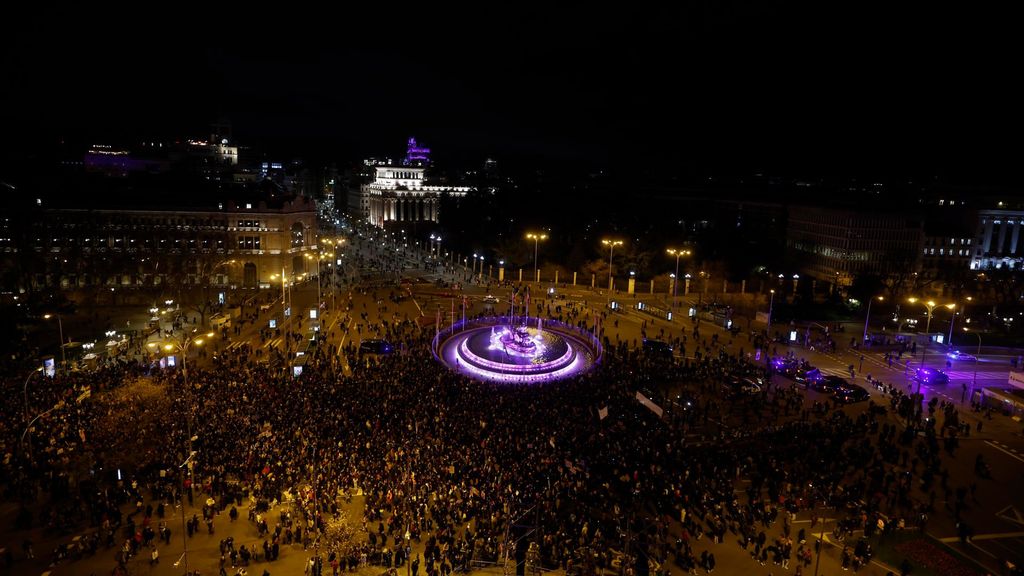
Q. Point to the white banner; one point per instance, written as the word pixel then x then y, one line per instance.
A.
pixel 650 405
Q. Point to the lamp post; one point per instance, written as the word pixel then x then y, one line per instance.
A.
pixel 60 328
pixel 536 238
pixel 184 532
pixel 930 305
pixel 611 244
pixel 771 303
pixel 285 313
pixel 952 319
pixel 977 358
pixel 867 317
pixel 183 346
pixel 675 281
pixel 24 389
pixel 318 297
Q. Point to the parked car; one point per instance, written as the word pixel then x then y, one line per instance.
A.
pixel 931 376
pixel 851 393
pixel 958 355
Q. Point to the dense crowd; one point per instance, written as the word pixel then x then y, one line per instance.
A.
pixel 474 472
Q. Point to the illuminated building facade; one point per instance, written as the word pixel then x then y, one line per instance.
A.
pixel 998 243
pixel 400 194
pixel 235 243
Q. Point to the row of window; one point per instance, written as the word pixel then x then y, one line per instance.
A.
pixel 950 252
pixel 249 243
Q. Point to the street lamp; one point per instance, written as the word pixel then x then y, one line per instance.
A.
pixel 930 305
pixel 867 317
pixel 183 345
pixel 536 238
pixel 771 303
pixel 60 327
pixel 184 532
pixel 611 244
pixel 675 279
pixel 977 358
pixel 24 389
pixel 952 319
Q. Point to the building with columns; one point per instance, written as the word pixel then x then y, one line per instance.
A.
pixel 999 241
pixel 398 194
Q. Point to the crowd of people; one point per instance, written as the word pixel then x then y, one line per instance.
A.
pixel 471 472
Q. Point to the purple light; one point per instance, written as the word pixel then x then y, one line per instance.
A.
pixel 464 352
pixel 415 153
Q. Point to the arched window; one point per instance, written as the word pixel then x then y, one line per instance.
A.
pixel 298 235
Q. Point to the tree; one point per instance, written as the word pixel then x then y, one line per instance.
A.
pixel 1008 284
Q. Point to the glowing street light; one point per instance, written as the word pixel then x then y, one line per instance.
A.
pixel 977 358
pixel 611 244
pixel 930 305
pixel 868 315
pixel 536 238
pixel 675 278
pixel 60 327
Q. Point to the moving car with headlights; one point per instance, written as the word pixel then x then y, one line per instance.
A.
pixel 931 376
pixel 958 355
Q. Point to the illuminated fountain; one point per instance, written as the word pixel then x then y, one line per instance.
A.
pixel 516 349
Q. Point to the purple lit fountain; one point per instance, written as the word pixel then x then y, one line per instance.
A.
pixel 509 349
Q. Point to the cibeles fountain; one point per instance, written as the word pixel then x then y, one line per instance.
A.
pixel 516 349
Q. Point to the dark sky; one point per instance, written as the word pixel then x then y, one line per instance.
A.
pixel 706 87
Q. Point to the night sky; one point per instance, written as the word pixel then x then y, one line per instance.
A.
pixel 709 87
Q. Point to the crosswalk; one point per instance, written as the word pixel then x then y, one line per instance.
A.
pixel 269 344
pixel 881 369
